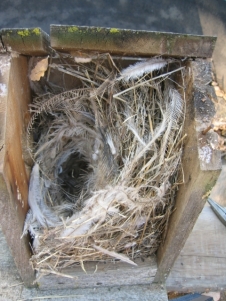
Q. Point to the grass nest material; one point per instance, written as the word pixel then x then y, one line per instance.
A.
pixel 107 157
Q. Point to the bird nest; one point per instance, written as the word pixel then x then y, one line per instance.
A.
pixel 107 158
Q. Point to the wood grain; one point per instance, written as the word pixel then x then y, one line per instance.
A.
pixel 129 42
pixel 100 275
pixel 14 177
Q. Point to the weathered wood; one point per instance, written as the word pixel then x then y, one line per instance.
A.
pixel 28 41
pixel 189 201
pixel 130 42
pixel 126 293
pixel 202 262
pixel 100 274
pixel 14 177
pixel 204 94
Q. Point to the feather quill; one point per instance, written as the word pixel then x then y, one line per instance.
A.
pixel 174 113
pixel 141 68
pixel 114 254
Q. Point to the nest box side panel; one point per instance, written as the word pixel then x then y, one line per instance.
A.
pixel 197 180
pixel 14 174
pixel 129 42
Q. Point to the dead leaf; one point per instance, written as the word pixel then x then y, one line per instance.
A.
pixel 39 70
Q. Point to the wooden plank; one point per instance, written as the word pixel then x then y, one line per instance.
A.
pixel 27 41
pixel 130 42
pixel 202 262
pixel 101 274
pixel 126 293
pixel 189 202
pixel 14 176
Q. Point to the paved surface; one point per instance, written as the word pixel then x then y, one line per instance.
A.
pixel 191 17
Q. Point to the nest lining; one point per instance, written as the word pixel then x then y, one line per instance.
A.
pixel 107 158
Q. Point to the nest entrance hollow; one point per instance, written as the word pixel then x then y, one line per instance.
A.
pixel 73 173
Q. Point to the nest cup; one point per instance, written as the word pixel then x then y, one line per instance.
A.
pixel 106 138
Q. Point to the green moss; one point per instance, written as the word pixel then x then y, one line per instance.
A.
pixel 73 29
pixel 114 30
pixel 23 33
pixel 36 31
pixel 209 187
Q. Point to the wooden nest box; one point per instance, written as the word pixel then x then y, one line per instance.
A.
pixel 200 161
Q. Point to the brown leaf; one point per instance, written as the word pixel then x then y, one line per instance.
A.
pixel 39 70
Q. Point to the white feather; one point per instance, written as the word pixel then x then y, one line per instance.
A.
pixel 140 68
pixel 40 211
pixel 110 143
pixel 174 113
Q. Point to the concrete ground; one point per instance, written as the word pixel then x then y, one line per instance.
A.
pixel 192 17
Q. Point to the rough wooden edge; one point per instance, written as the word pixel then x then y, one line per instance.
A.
pixel 27 41
pixel 13 174
pixel 151 292
pixel 130 42
pixel 102 274
pixel 204 98
pixel 189 201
